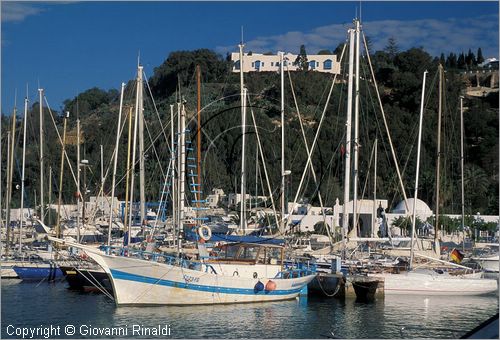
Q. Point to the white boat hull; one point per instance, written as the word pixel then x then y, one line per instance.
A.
pixel 142 282
pixel 415 283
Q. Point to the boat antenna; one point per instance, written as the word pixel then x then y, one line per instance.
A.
pixel 138 58
pixel 242 34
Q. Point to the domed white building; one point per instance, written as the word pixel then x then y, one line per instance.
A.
pixel 422 209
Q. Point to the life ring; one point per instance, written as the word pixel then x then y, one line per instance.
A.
pixel 205 232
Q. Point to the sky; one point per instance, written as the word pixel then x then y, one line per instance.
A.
pixel 67 47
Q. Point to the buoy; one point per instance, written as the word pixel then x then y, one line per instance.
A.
pixel 205 232
pixel 259 286
pixel 270 286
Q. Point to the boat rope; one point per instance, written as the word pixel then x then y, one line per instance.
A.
pixel 324 290
pixel 95 283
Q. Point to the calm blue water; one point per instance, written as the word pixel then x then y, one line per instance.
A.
pixel 36 305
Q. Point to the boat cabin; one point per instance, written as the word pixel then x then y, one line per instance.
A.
pixel 248 253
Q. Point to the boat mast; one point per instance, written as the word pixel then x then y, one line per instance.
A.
pixel 1 210
pixel 23 171
pixel 115 164
pixel 417 171
pixel 198 137
pixel 438 162
pixel 243 94
pixel 182 174
pixel 128 208
pixel 462 166
pixel 78 184
pixel 11 173
pixel 347 164
pixel 356 137
pixel 142 184
pixel 42 203
pixel 10 150
pixel 61 173
pixel 136 119
pixel 174 170
pixel 282 189
pixel 374 219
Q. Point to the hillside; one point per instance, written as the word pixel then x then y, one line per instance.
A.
pixel 399 76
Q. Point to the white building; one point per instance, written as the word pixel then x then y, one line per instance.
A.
pixel 215 198
pixel 256 62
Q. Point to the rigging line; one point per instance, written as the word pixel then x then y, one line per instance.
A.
pixel 154 148
pixel 60 140
pixel 263 161
pixel 317 134
pixel 385 123
pixel 163 128
pixel 307 149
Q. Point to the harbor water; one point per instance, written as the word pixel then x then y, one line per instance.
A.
pixel 40 306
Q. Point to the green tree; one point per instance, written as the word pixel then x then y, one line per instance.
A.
pixel 480 58
pixel 301 60
pixel 392 48
pixel 461 61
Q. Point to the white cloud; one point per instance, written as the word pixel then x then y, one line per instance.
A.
pixel 17 11
pixel 435 36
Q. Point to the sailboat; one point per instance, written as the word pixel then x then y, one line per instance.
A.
pixel 432 281
pixel 237 273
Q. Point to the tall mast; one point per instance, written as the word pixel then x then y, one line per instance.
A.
pixel 174 170
pixel 78 184
pixel 182 173
pixel 102 174
pixel 356 137
pixel 11 173
pixel 7 198
pixel 438 162
pixel 198 135
pixel 115 164
pixel 42 203
pixel 1 210
pixel 23 172
pixel 282 189
pixel 243 217
pixel 142 180
pixel 417 170
pixel 345 218
pixel 128 207
pixel 374 187
pixel 132 164
pixel 61 174
pixel 178 155
pixel 462 166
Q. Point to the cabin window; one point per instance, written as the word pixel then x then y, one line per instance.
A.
pixel 327 64
pixel 237 65
pixel 312 64
pixel 257 65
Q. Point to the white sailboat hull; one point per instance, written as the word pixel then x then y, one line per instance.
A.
pixel 427 283
pixel 142 282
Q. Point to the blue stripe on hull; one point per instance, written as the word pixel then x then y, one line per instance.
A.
pixel 119 275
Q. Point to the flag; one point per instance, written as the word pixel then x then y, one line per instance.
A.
pixel 456 256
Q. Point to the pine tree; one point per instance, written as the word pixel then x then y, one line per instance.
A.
pixel 451 61
pixel 442 60
pixel 301 60
pixel 392 48
pixel 480 58
pixel 461 60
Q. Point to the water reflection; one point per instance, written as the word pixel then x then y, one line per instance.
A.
pixel 385 318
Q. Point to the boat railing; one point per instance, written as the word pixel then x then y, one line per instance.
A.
pixel 296 269
pixel 160 258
